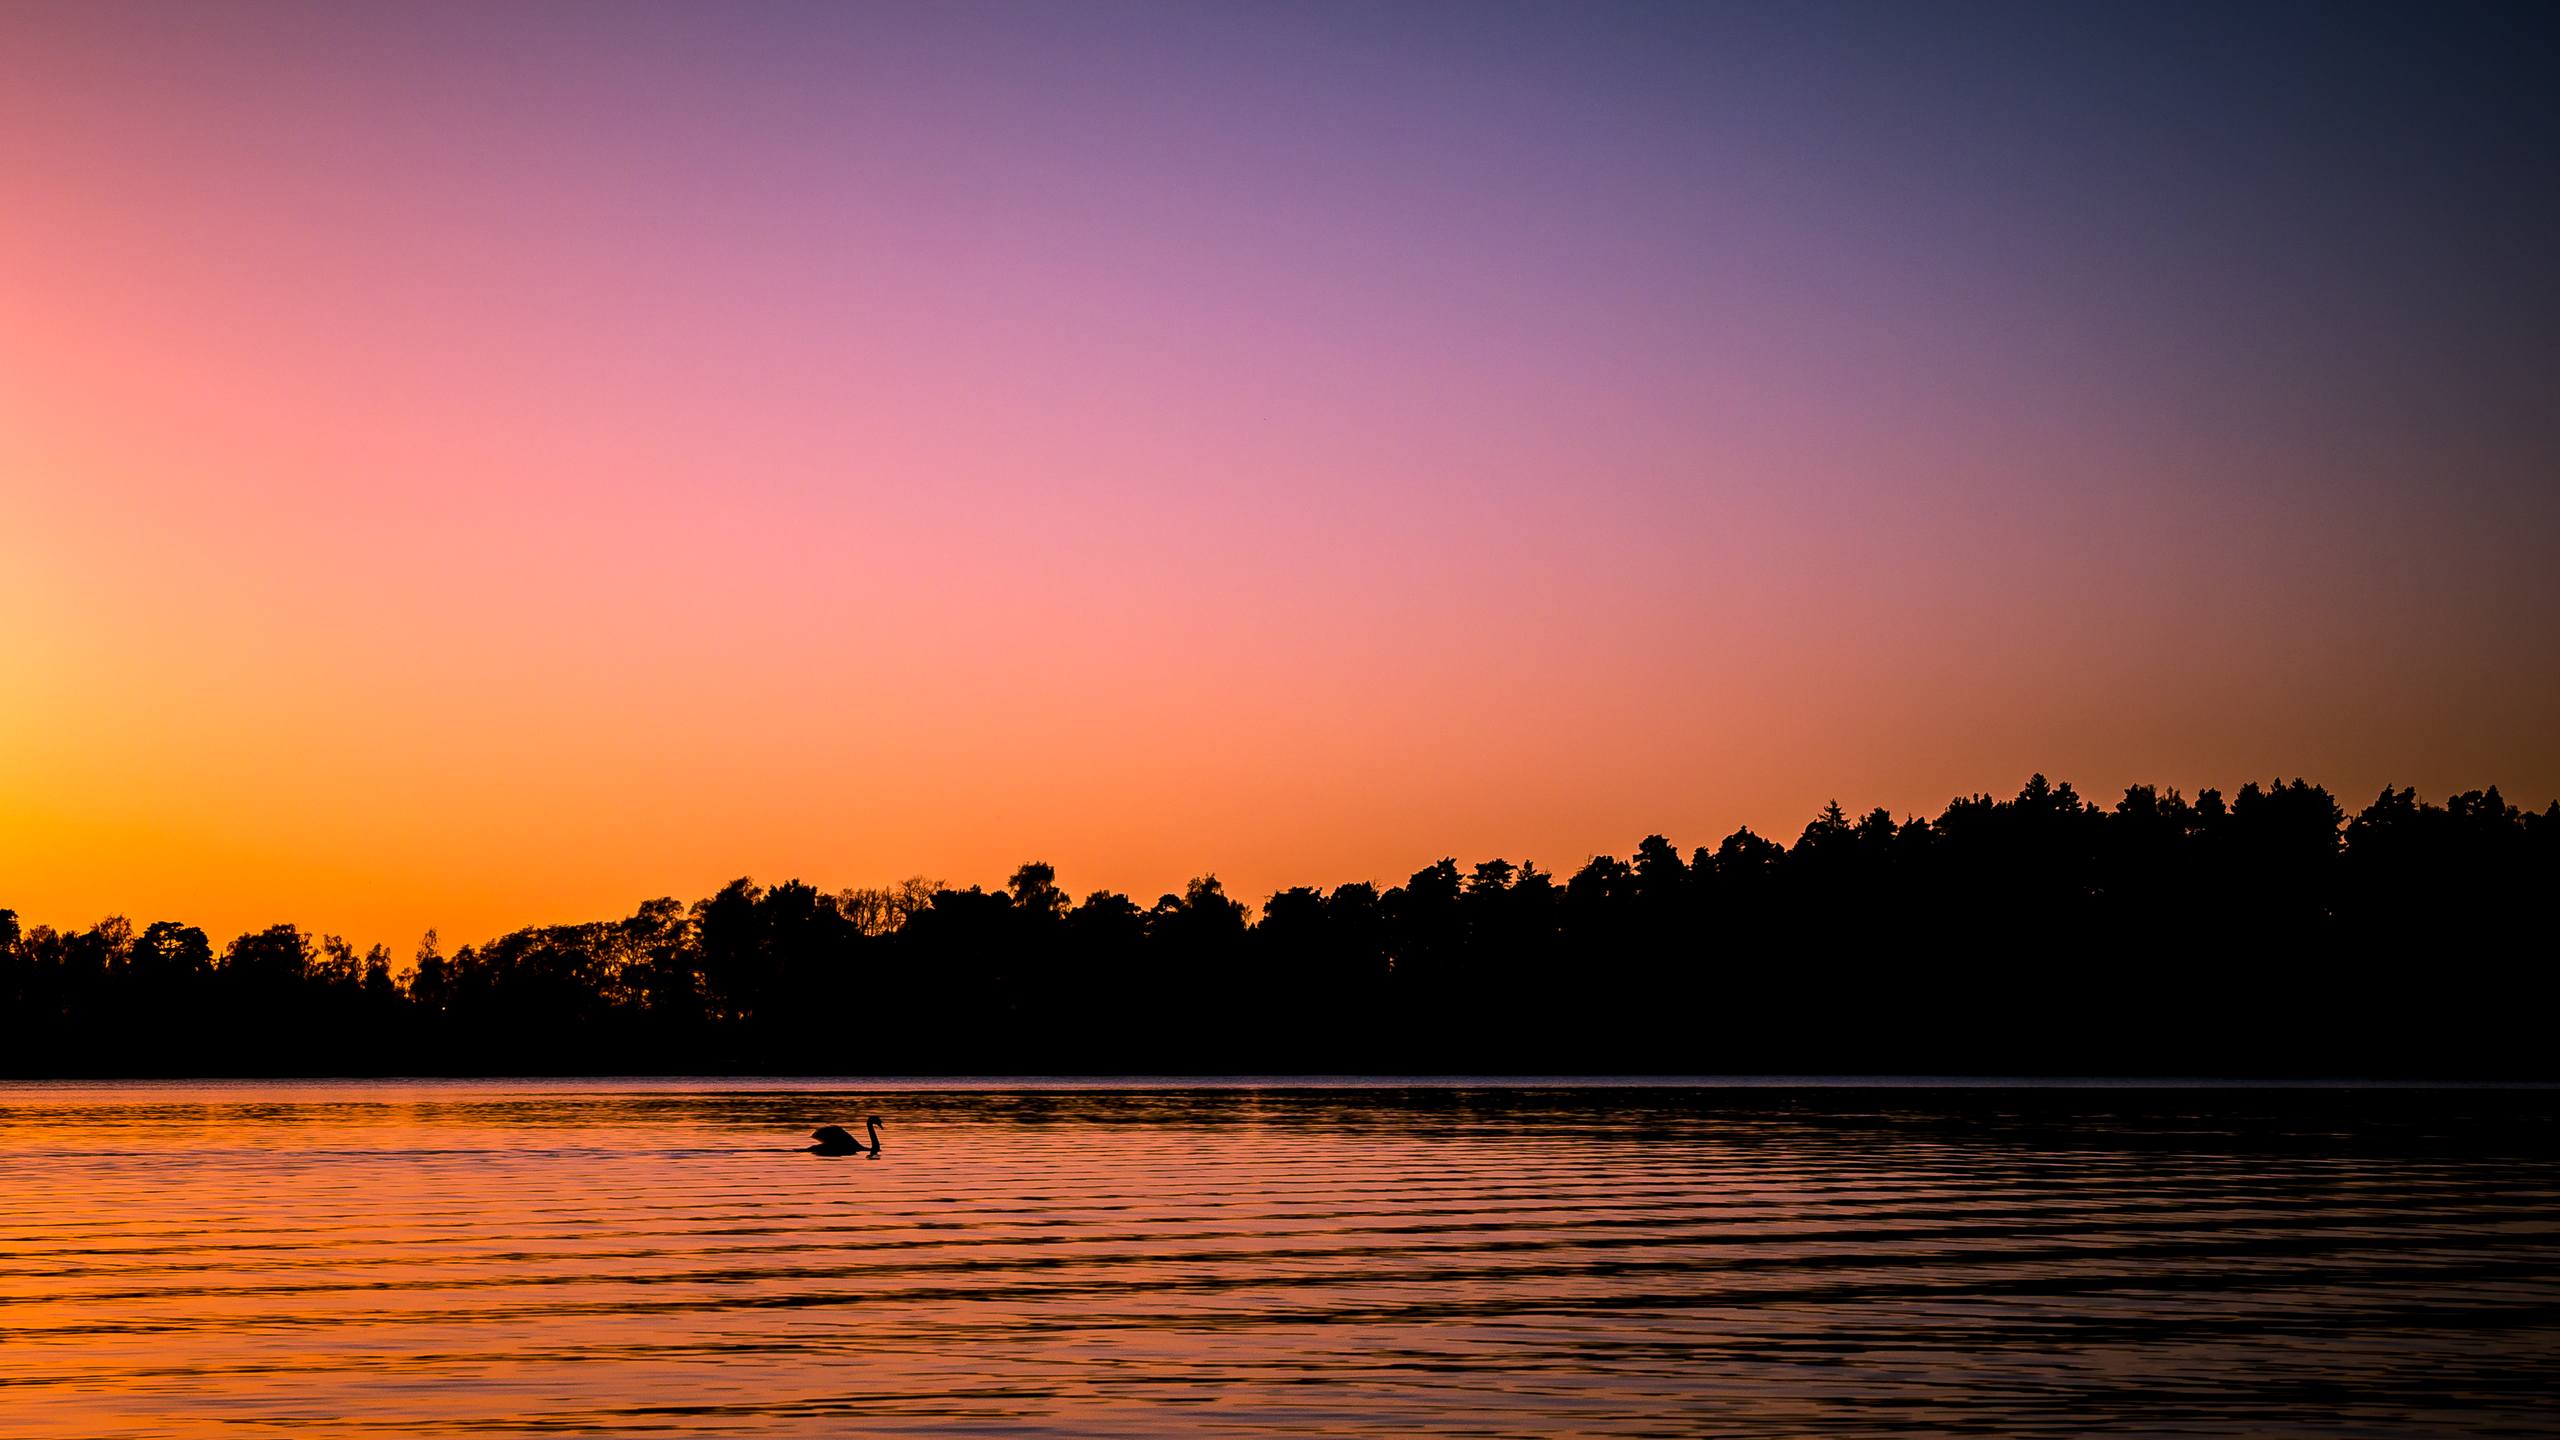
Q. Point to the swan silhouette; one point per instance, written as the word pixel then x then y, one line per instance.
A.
pixel 834 1140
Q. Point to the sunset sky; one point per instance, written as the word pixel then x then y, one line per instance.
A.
pixel 477 465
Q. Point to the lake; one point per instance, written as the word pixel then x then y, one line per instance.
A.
pixel 1793 1258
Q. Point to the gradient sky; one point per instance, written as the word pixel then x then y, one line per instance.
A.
pixel 478 465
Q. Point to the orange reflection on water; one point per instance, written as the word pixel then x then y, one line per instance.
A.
pixel 514 1259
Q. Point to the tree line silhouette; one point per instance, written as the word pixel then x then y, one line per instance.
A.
pixel 2263 934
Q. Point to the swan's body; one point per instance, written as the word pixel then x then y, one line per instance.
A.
pixel 835 1140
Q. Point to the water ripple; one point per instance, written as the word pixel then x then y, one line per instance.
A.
pixel 549 1259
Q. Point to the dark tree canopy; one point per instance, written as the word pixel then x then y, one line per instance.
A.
pixel 2266 933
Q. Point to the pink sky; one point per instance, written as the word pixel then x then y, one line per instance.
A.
pixel 474 467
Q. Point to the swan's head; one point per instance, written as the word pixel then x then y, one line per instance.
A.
pixel 870 1119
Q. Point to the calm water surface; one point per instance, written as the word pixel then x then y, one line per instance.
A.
pixel 547 1258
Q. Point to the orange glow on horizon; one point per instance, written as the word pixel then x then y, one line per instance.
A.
pixel 453 486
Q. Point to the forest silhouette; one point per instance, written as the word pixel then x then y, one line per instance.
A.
pixel 2265 934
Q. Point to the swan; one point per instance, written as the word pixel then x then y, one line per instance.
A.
pixel 833 1139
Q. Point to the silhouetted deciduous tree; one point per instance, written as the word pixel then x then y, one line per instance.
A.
pixel 2039 932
